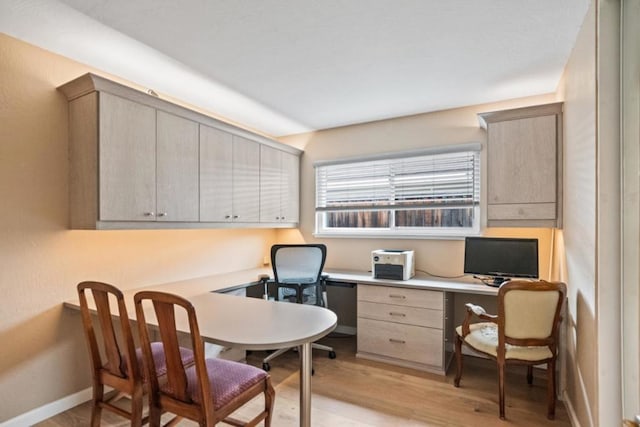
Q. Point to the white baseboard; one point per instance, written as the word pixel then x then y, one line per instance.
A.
pixel 44 412
pixel 570 410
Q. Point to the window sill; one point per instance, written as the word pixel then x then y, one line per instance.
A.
pixel 395 236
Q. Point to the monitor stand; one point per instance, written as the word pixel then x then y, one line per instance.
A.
pixel 496 281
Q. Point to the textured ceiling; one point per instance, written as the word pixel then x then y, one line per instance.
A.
pixel 288 66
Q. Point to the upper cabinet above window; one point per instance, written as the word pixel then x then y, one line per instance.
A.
pixel 137 161
pixel 524 166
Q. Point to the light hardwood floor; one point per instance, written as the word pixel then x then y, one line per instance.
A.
pixel 353 392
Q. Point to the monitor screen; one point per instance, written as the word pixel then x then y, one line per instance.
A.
pixel 501 257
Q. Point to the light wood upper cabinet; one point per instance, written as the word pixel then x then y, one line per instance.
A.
pixel 246 180
pixel 279 185
pixel 524 166
pixel 127 155
pixel 216 175
pixel 229 177
pixel 270 182
pixel 177 178
pixel 137 161
pixel 290 187
pixel 148 160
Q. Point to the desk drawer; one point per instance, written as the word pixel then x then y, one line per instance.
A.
pixel 401 314
pixel 406 342
pixel 402 296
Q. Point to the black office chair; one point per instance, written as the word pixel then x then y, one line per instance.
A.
pixel 297 271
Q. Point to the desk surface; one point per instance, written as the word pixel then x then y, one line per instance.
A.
pixel 232 321
pixel 242 322
pixel 465 284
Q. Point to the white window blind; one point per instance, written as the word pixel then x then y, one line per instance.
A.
pixel 405 186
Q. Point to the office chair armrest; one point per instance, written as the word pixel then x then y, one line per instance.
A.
pixel 478 311
pixel 264 278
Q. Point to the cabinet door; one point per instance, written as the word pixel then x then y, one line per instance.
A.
pixel 177 177
pixel 521 159
pixel 127 160
pixel 290 188
pixel 216 175
pixel 246 180
pixel 270 183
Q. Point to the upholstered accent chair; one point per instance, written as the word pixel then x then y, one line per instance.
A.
pixel 207 392
pixel 121 365
pixel 525 331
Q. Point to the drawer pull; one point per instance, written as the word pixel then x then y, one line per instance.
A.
pixel 397 341
pixel 391 313
pixel 397 296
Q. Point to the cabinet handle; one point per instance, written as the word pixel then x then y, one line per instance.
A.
pixel 162 214
pixel 277 218
pixel 149 213
pixel 392 313
pixel 397 341
pixel 235 217
pixel 282 218
pixel 397 296
pixel 227 216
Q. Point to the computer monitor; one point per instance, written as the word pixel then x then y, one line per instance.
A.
pixel 498 259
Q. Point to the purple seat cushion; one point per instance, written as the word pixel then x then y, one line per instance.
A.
pixel 227 380
pixel 157 351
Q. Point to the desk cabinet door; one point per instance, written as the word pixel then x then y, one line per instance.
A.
pixel 401 296
pixel 400 314
pixel 406 342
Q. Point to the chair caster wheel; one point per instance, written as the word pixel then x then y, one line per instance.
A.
pixel 266 367
pixel 332 355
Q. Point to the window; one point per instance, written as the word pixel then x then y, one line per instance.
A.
pixel 425 193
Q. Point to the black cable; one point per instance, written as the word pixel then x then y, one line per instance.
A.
pixel 441 277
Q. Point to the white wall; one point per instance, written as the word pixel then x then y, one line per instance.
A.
pixel 577 241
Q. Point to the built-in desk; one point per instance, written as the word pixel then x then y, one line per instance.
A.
pixel 407 322
pixel 403 322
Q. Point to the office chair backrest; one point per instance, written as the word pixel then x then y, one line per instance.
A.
pixel 530 311
pixel 298 263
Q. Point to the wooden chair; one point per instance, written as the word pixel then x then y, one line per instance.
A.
pixel 525 331
pixel 121 368
pixel 208 392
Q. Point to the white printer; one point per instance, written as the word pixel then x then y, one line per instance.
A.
pixel 392 264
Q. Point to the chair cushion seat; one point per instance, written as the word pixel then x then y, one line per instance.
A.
pixel 227 380
pixel 159 360
pixel 484 337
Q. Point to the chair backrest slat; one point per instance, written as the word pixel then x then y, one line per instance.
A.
pixel 165 314
pixel 111 347
pixel 164 308
pixel 117 358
